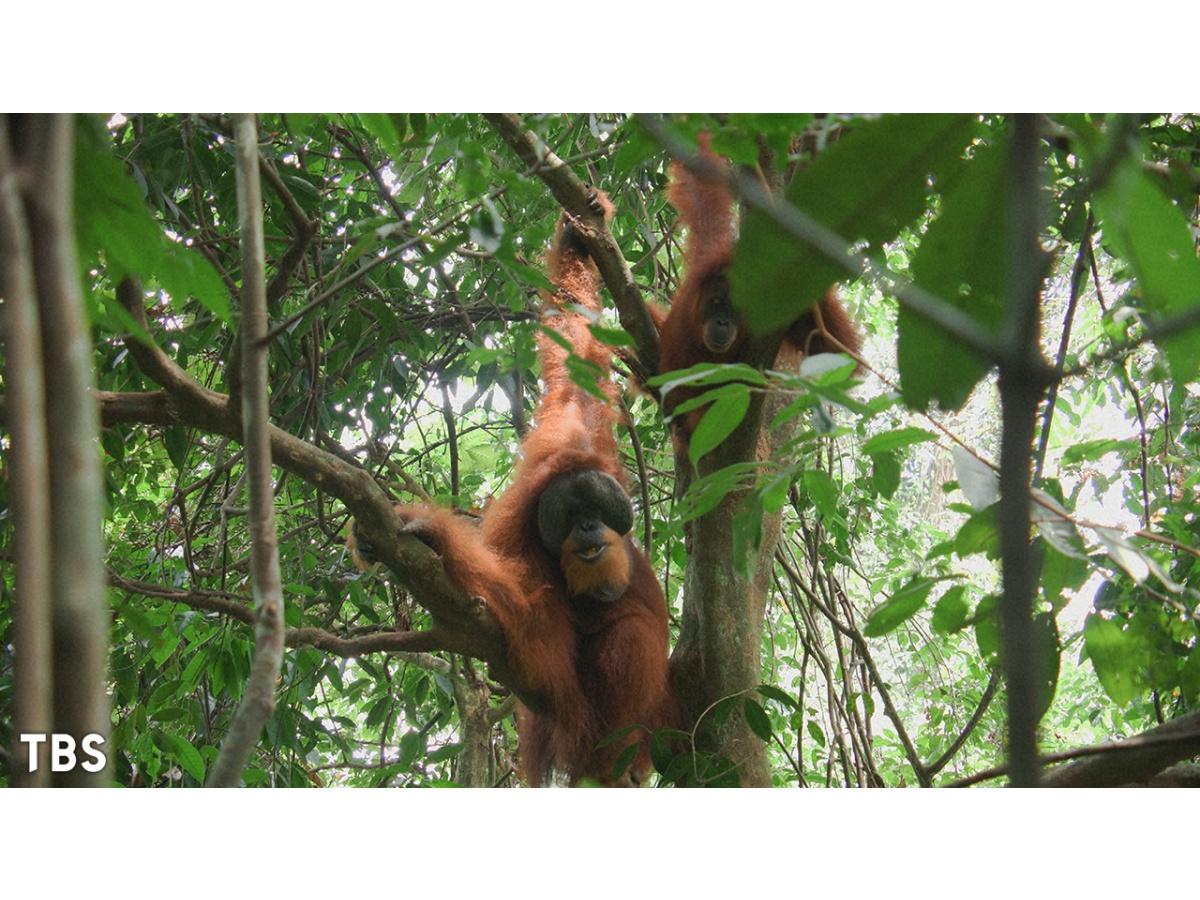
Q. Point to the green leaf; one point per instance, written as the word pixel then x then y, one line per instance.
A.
pixel 612 337
pixel 950 613
pixel 757 719
pixel 184 273
pixel 1046 648
pixel 176 439
pixel 725 414
pixel 625 760
pixel 865 187
pixel 1117 656
pixel 163 692
pixel 300 124
pixel 112 219
pixel 962 260
pixel 707 492
pixel 487 227
pixel 385 129
pixel 412 748
pixel 661 751
pixel 445 752
pixel 979 534
pixel 1155 238
pixel 895 440
pixel 1061 572
pixel 113 443
pixel 780 696
pixel 188 756
pixel 823 491
pixel 586 375
pixel 885 474
pixel 816 733
pixel 704 374
pixel 899 608
pixel 987 628
pixel 1090 451
pixel 618 735
pixel 636 147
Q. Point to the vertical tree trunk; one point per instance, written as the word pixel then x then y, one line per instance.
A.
pixel 1022 386
pixel 474 716
pixel 80 618
pixel 719 652
pixel 29 477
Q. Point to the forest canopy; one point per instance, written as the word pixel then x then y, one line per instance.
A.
pixel 964 552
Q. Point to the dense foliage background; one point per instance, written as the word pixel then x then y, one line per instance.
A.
pixel 404 265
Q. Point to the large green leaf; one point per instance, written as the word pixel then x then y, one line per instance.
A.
pixel 114 227
pixel 1117 656
pixel 894 440
pixel 1154 236
pixel 720 420
pixel 189 757
pixel 962 260
pixel 866 187
pixel 898 608
pixel 823 491
pixel 950 613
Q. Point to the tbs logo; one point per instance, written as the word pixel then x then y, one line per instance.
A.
pixel 63 757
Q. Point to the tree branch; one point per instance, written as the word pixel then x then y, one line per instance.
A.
pixel 1133 760
pixel 258 701
pixel 572 195
pixel 237 608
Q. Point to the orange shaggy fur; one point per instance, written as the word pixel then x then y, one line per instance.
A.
pixel 705 207
pixel 589 668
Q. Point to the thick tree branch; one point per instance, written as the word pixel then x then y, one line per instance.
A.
pixel 236 607
pixel 187 402
pixel 572 194
pixel 463 624
pixel 1134 760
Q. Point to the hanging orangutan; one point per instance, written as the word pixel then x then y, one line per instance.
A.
pixel 583 616
pixel 702 326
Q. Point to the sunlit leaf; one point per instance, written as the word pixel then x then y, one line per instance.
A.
pixel 899 608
